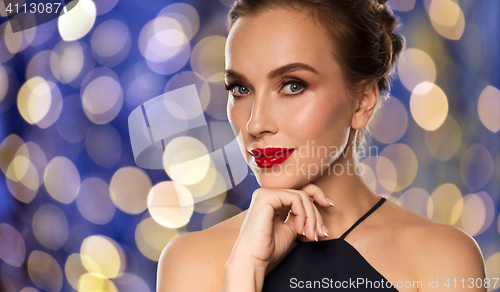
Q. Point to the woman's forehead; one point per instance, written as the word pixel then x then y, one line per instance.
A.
pixel 277 37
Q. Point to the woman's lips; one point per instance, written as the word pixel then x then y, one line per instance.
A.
pixel 270 156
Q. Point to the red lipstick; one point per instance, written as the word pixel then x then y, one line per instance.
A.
pixel 270 156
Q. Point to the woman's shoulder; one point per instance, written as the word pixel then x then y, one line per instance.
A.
pixel 436 249
pixel 195 261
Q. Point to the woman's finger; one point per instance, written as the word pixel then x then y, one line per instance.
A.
pixel 320 227
pixel 317 194
pixel 311 216
pixel 295 202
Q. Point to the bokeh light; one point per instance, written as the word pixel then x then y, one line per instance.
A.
pixel 152 237
pixel 94 201
pixel 129 189
pixel 103 256
pixel 476 167
pixel 62 179
pixel 488 107
pixel 414 67
pixel 111 42
pixel 78 21
pixel 13 249
pixel 445 141
pixel 447 204
pixel 44 271
pixel 447 18
pixel 429 106
pixel 102 95
pixel 165 202
pixel 389 123
pixel 50 226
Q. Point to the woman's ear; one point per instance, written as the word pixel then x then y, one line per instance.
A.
pixel 365 106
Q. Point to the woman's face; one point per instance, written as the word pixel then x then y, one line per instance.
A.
pixel 286 91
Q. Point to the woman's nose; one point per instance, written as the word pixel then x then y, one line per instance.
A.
pixel 262 119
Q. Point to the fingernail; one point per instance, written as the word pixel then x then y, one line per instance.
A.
pixel 315 234
pixel 325 231
pixel 329 201
pixel 304 230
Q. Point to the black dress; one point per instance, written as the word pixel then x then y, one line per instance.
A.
pixel 327 265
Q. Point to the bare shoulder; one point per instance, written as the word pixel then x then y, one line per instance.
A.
pixel 195 261
pixel 437 251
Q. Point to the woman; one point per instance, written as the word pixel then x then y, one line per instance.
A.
pixel 304 78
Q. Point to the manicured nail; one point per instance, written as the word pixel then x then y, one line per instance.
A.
pixel 325 231
pixel 304 230
pixel 315 234
pixel 329 201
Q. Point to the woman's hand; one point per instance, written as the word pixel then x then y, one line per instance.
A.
pixel 265 236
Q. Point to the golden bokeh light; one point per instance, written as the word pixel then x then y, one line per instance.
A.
pixel 429 106
pixel 447 202
pixel 389 123
pixel 387 174
pixel 13 251
pixel 22 170
pixel 488 107
pixel 489 209
pixel 67 61
pixel 476 167
pixel 445 141
pixel 129 189
pixel 62 179
pixel 414 67
pixel 417 200
pixel 152 237
pixel 94 202
pixel 225 212
pixel 34 99
pixel 103 256
pixel 44 271
pixel 74 269
pixel 50 226
pixel 91 282
pixel 492 265
pixel 447 18
pixel 164 204
pixel 207 58
pixel 473 215
pixel 186 160
pixel 8 149
pixel 77 22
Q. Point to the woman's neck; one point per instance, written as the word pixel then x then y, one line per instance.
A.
pixel 348 191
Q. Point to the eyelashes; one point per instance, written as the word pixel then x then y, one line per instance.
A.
pixel 303 85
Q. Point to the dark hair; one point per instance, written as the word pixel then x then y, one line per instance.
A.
pixel 365 28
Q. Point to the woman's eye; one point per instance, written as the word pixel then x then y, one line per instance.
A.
pixel 239 90
pixel 294 87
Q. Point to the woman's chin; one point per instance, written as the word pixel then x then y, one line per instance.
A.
pixel 278 181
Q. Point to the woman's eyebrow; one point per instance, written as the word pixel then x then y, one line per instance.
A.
pixel 276 72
